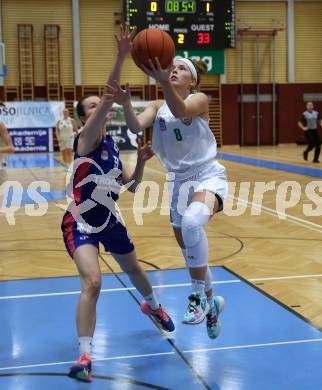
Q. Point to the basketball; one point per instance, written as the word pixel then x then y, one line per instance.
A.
pixel 150 43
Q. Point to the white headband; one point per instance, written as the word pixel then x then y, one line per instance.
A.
pixel 190 65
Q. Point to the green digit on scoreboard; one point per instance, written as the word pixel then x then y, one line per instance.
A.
pixel 180 6
pixel 191 6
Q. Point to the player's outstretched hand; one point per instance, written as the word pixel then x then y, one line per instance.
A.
pixel 120 96
pixel 108 97
pixel 145 151
pixel 156 71
pixel 124 40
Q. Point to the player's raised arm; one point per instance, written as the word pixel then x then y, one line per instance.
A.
pixel 136 123
pixel 197 105
pixel 4 134
pixel 93 124
pixel 144 153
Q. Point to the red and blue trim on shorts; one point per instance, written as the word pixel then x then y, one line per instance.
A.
pixel 114 237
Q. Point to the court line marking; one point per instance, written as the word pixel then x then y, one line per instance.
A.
pixel 2 298
pixel 269 164
pixel 296 220
pixel 246 346
pixel 61 209
pixel 267 157
pixel 254 345
pixel 285 277
pixel 110 290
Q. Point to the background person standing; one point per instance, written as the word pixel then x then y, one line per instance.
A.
pixel 308 122
pixel 66 129
pixel 6 147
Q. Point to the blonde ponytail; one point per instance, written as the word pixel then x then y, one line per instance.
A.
pixel 201 68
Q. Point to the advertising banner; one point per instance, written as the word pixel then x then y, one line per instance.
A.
pixel 215 59
pixel 118 129
pixel 31 115
pixel 31 124
pixel 32 140
pixel 116 125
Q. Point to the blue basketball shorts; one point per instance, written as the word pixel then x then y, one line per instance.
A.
pixel 114 237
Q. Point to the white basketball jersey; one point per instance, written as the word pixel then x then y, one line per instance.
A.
pixel 182 145
pixel 66 127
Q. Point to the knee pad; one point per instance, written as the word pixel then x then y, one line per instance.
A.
pixel 193 221
pixel 194 235
pixel 191 232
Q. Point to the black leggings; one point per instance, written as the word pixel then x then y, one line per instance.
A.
pixel 314 141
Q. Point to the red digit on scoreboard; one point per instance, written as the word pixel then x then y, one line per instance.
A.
pixel 203 38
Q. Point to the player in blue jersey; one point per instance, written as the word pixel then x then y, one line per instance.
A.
pixel 93 217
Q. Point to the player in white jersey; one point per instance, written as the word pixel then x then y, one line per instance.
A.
pixel 66 129
pixel 186 147
pixel 6 147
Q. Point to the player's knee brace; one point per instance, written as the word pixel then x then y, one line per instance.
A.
pixel 193 221
pixel 193 234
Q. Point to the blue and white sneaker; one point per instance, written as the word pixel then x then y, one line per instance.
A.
pixel 197 309
pixel 213 322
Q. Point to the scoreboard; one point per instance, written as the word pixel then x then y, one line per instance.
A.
pixel 193 25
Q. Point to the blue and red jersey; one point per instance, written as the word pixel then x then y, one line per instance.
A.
pixel 101 173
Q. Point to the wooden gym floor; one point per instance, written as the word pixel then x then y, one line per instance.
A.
pixel 282 257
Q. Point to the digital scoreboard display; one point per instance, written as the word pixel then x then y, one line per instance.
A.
pixel 193 25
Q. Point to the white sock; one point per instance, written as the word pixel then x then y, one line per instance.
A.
pixel 208 287
pixel 210 301
pixel 152 301
pixel 85 344
pixel 198 286
pixel 208 280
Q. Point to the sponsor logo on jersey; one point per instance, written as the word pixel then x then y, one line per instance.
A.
pixel 162 124
pixel 186 121
pixel 84 229
pixel 116 148
pixel 118 139
pixel 104 155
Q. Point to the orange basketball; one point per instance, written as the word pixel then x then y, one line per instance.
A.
pixel 151 43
